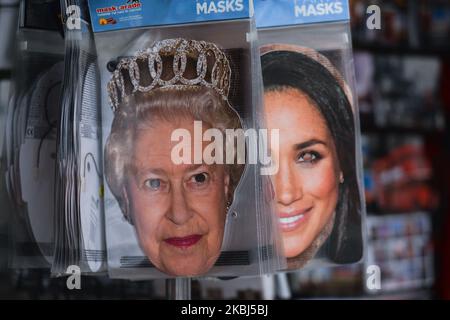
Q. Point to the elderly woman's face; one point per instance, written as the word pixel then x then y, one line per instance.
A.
pixel 178 210
pixel 306 184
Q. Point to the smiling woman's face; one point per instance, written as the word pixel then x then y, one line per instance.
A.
pixel 307 182
pixel 178 210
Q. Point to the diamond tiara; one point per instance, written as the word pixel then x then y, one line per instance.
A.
pixel 210 68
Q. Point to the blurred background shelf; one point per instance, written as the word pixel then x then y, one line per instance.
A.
pixel 383 49
pixel 368 126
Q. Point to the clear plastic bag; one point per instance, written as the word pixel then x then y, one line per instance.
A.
pixel 79 231
pixel 189 61
pixel 308 75
pixel 30 138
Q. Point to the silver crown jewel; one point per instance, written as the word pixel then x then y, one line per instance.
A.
pixel 211 66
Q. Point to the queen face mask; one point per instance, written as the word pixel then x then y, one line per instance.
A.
pixel 184 190
pixel 178 209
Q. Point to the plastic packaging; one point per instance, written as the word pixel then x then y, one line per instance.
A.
pixel 308 75
pixel 165 65
pixel 79 231
pixel 30 136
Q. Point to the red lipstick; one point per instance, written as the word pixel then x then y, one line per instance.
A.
pixel 184 242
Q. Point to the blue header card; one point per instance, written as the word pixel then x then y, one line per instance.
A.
pixel 277 13
pixel 109 15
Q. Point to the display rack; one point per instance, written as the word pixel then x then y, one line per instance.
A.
pixel 181 288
